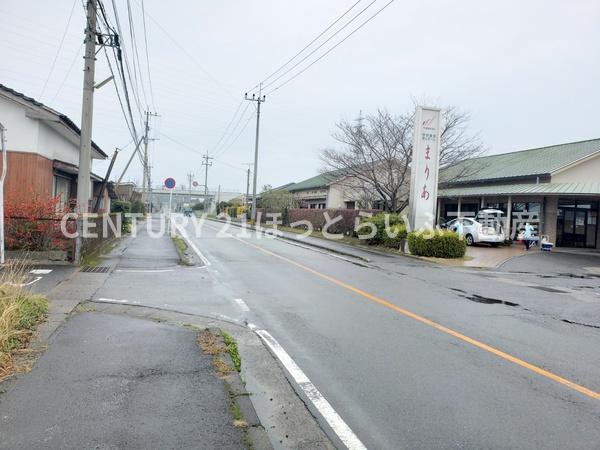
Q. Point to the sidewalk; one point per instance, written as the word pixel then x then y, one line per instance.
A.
pixel 116 382
pixel 113 375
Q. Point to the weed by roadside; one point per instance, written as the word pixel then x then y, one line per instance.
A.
pixel 20 312
pixel 181 247
pixel 216 345
pixel 232 349
pixel 179 243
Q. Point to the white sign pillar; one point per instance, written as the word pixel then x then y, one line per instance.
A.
pixel 424 168
pixel 2 176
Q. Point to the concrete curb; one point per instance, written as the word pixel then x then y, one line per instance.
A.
pixel 185 258
pixel 273 396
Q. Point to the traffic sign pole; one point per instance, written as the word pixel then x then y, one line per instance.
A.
pixel 170 185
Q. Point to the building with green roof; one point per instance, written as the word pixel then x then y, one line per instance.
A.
pixel 556 187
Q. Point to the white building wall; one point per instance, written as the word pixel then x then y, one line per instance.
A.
pixel 21 131
pixel 54 146
pixel 585 172
pixel 335 196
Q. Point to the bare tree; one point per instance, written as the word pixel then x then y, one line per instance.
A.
pixel 377 150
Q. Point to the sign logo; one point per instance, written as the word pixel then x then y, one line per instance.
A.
pixel 424 168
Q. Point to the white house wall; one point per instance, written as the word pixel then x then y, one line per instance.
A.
pixel 21 132
pixel 54 146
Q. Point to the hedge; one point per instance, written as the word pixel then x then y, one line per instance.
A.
pixel 317 218
pixel 442 244
pixel 379 221
pixel 122 207
pixel 399 230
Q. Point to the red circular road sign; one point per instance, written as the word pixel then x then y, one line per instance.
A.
pixel 170 183
pixel 195 183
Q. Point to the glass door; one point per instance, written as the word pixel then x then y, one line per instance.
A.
pixel 576 225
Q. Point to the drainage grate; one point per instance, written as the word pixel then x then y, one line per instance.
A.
pixel 96 269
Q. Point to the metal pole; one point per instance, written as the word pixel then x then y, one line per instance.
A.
pixel 247 188
pixel 105 181
pixel 135 150
pixel 145 158
pixel 206 163
pixel 206 188
pixel 259 100
pixel 87 110
pixel 2 177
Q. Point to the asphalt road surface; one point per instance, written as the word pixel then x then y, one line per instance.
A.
pixel 149 384
pixel 410 355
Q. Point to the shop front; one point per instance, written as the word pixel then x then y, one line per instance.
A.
pixel 577 223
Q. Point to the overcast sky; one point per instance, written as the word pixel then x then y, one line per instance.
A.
pixel 528 72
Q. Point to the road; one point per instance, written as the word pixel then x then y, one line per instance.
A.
pixel 410 355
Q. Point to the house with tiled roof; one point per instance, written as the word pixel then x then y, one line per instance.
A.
pixel 42 151
pixel 556 186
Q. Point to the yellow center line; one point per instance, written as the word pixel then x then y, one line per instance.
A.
pixel 538 370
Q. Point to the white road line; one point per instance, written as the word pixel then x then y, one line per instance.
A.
pixel 31 282
pixel 114 300
pixel 241 304
pixel 40 271
pixel 191 244
pixel 145 271
pixel 340 428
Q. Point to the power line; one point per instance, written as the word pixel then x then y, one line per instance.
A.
pixel 330 50
pixel 62 40
pixel 123 52
pixel 136 55
pixel 226 143
pixel 147 56
pixel 308 45
pixel 228 125
pixel 194 150
pixel 236 138
pixel 356 16
pixel 67 74
pixel 188 54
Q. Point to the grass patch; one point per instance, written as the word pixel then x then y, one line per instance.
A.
pixel 20 312
pixel 179 243
pixel 232 348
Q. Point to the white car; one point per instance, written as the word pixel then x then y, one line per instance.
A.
pixel 486 230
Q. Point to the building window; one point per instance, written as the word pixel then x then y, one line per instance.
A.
pixel 350 205
pixel 60 186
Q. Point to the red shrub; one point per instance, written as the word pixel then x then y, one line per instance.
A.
pixel 34 224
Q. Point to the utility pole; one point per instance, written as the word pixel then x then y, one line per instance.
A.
pixel 190 177
pixel 218 198
pixel 146 178
pixel 260 99
pixel 87 110
pixel 247 185
pixel 206 163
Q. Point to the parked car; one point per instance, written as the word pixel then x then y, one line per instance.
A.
pixel 187 212
pixel 484 228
